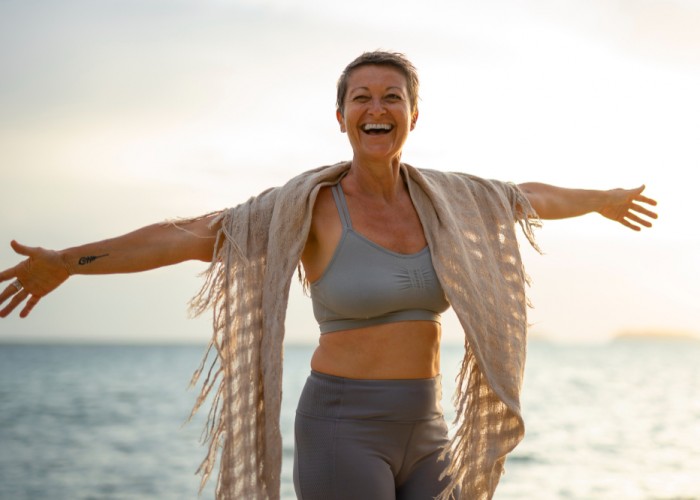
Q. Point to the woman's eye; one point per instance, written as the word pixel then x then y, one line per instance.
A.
pixel 393 97
pixel 360 98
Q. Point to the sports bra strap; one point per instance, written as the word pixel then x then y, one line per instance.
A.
pixel 342 206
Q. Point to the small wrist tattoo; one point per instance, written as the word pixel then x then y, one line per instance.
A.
pixel 90 258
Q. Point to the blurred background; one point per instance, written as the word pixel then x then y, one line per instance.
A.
pixel 117 114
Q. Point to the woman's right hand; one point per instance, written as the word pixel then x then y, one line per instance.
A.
pixel 33 278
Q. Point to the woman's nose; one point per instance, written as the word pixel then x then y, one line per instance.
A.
pixel 376 107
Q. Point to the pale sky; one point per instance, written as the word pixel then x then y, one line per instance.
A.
pixel 116 114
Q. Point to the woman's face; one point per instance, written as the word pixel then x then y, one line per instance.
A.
pixel 377 113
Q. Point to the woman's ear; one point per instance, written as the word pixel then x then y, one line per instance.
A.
pixel 341 120
pixel 414 119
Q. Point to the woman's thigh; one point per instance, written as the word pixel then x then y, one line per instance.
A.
pixel 421 471
pixel 340 459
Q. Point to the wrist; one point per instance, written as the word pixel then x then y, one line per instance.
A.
pixel 602 200
pixel 65 260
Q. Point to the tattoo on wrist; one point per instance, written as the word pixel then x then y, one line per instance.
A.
pixel 90 258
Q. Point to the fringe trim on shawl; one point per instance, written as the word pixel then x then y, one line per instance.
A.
pixel 247 288
pixel 474 400
pixel 526 216
pixel 228 419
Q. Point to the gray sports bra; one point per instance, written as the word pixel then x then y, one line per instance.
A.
pixel 366 284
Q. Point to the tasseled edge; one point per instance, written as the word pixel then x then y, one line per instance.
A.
pixel 469 383
pixel 528 220
pixel 526 216
pixel 214 295
pixel 214 280
pixel 471 478
pixel 305 285
pixel 213 428
pixel 458 451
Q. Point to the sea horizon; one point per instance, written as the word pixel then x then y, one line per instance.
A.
pixel 619 420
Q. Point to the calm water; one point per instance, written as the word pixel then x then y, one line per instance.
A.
pixel 620 421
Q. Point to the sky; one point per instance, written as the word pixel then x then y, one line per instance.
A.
pixel 117 114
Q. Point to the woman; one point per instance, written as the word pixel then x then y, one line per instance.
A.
pixel 385 248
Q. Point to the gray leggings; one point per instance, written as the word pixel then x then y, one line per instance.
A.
pixel 369 439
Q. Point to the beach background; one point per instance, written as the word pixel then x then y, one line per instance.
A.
pixel 617 421
pixel 115 114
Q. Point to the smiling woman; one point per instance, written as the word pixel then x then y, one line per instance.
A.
pixel 377 107
pixel 384 248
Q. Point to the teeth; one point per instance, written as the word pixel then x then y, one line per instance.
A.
pixel 376 126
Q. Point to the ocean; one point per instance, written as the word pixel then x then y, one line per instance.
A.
pixel 81 422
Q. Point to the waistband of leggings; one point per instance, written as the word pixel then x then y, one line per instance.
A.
pixel 329 396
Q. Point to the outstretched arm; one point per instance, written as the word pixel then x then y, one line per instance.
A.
pixel 626 206
pixel 147 248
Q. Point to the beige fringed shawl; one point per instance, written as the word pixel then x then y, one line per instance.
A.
pixel 469 226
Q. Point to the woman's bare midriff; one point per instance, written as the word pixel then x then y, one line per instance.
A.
pixel 402 350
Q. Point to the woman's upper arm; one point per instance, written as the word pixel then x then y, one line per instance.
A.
pixel 196 237
pixel 532 192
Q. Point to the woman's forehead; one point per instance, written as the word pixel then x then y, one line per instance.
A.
pixel 374 75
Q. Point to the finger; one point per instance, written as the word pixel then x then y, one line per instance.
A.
pixel 645 211
pixel 644 199
pixel 12 271
pixel 8 292
pixel 638 196
pixel 638 220
pixel 628 224
pixel 22 249
pixel 16 300
pixel 8 274
pixel 33 301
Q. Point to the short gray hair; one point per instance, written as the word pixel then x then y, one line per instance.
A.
pixel 381 58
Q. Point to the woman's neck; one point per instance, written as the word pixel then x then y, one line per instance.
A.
pixel 376 179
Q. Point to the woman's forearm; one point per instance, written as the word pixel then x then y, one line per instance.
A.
pixel 626 206
pixel 42 270
pixel 147 248
pixel 553 202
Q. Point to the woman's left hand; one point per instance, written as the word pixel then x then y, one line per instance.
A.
pixel 628 207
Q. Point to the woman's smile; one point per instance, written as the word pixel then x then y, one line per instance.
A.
pixel 377 128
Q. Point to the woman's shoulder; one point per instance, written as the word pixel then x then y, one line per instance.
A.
pixel 324 174
pixel 454 180
pixel 295 191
